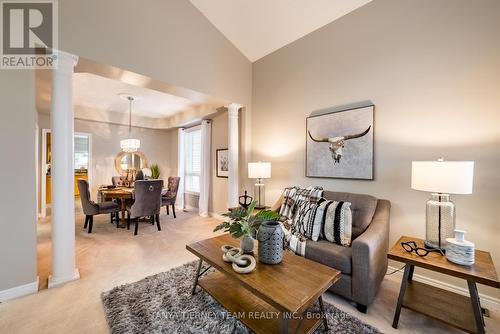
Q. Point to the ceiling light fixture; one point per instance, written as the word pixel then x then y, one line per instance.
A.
pixel 130 144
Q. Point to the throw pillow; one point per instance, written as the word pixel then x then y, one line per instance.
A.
pixel 307 221
pixel 337 222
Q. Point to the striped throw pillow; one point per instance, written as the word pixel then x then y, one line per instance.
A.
pixel 337 222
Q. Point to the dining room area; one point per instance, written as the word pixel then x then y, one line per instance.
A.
pixel 142 164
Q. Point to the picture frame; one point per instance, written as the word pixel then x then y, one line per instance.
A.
pixel 222 162
pixel 340 143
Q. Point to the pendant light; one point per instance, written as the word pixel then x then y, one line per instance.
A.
pixel 130 144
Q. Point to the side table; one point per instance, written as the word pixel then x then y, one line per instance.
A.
pixel 456 310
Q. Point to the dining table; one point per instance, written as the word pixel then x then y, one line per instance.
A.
pixel 120 194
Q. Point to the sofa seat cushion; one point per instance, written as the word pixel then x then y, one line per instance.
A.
pixel 329 254
pixel 362 208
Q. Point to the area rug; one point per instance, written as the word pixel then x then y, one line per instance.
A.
pixel 163 303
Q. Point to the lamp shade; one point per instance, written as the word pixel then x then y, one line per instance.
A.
pixel 259 170
pixel 447 177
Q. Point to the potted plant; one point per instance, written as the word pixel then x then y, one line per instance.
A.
pixel 244 224
pixel 155 171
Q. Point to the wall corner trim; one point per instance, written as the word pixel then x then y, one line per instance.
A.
pixel 19 291
pixel 486 301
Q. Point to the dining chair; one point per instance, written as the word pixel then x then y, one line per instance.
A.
pixel 147 203
pixel 91 209
pixel 168 199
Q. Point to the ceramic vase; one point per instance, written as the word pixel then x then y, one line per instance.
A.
pixel 247 244
pixel 271 242
pixel 459 250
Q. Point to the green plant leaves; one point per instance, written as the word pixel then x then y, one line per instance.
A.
pixel 155 171
pixel 243 222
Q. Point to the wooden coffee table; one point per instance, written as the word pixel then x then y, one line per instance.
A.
pixel 272 298
pixel 454 309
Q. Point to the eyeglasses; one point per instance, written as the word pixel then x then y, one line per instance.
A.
pixel 411 246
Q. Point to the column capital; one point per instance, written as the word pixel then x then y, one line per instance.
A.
pixel 65 59
pixel 233 108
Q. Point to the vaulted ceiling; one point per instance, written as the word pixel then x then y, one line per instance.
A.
pixel 260 27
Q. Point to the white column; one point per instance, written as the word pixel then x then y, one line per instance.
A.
pixel 233 149
pixel 62 172
pixel 206 162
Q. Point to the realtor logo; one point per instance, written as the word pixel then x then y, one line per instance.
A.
pixel 28 34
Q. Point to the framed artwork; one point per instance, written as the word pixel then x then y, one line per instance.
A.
pixel 340 144
pixel 222 162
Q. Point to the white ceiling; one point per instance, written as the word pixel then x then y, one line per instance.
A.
pixel 96 92
pixel 259 27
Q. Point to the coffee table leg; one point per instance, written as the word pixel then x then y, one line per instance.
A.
pixel 284 324
pixel 196 277
pixel 476 306
pixel 404 284
pixel 322 310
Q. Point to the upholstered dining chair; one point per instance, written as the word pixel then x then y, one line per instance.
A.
pixel 147 202
pixel 168 198
pixel 90 208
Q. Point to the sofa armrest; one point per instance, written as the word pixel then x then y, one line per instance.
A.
pixel 369 255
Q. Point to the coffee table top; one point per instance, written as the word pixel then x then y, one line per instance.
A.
pixel 289 286
pixel 482 271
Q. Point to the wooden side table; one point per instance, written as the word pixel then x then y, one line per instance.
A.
pixel 456 310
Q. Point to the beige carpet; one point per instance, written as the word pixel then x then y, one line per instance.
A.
pixel 110 257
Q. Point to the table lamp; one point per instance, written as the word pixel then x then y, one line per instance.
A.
pixel 259 170
pixel 441 178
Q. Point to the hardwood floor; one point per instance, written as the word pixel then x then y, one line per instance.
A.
pixel 109 257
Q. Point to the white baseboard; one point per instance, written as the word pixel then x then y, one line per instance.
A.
pixel 486 301
pixel 19 291
pixel 53 282
pixel 217 216
pixel 190 208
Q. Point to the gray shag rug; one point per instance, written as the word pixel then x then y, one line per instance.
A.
pixel 163 303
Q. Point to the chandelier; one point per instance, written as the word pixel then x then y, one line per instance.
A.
pixel 129 144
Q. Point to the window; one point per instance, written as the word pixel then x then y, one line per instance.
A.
pixel 81 152
pixel 192 149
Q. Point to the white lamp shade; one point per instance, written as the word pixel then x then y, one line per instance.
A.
pixel 259 170
pixel 130 145
pixel 446 177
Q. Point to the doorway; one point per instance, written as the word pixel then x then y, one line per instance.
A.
pixel 82 165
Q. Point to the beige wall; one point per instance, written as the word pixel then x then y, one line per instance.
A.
pixel 218 198
pixel 18 195
pixel 432 69
pixel 170 41
pixel 155 144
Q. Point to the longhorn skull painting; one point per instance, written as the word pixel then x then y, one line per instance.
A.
pixel 340 143
pixel 337 143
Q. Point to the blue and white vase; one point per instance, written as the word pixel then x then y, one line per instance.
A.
pixel 459 250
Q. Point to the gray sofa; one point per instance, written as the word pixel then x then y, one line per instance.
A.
pixel 364 264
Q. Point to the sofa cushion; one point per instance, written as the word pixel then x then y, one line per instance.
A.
pixel 329 254
pixel 362 208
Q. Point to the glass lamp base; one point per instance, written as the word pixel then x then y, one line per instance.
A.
pixel 260 194
pixel 439 221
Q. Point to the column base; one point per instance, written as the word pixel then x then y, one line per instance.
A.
pixel 57 281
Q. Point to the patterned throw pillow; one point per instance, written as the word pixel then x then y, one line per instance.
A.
pixel 329 220
pixel 337 222
pixel 306 221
